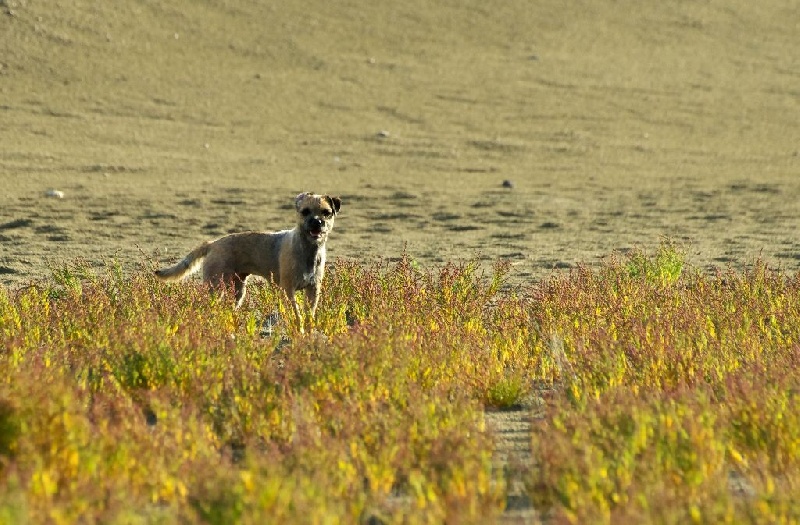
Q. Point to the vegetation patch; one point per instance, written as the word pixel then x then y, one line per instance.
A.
pixel 664 394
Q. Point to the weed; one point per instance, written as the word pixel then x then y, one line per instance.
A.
pixel 665 268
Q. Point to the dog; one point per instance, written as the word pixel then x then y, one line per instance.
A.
pixel 294 259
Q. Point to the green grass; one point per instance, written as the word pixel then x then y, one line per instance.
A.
pixel 667 397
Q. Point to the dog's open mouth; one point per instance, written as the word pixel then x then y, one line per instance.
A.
pixel 315 232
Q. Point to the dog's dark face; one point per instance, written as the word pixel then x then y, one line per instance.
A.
pixel 315 214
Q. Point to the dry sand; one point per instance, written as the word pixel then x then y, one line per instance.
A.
pixel 619 123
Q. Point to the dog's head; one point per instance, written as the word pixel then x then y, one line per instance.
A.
pixel 315 214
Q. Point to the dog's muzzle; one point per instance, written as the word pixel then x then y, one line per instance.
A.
pixel 314 227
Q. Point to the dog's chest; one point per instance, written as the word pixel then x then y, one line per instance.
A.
pixel 313 270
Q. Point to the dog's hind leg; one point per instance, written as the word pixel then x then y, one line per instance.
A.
pixel 221 282
pixel 240 287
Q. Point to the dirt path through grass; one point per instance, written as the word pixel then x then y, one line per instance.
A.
pixel 513 448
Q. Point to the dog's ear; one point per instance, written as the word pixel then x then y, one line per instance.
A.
pixel 336 203
pixel 299 199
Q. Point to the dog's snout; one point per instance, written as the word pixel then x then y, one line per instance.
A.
pixel 315 222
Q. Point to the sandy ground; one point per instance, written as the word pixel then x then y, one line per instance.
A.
pixel 617 124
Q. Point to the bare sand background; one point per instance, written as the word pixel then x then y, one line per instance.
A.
pixel 619 123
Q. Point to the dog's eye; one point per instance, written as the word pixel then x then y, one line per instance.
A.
pixel 326 213
pixel 304 212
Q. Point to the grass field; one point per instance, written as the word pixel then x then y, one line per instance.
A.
pixel 658 394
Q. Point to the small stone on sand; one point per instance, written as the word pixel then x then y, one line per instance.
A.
pixel 56 194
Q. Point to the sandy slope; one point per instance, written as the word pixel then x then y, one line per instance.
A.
pixel 618 123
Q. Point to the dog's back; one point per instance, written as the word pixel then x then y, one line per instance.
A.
pixel 245 253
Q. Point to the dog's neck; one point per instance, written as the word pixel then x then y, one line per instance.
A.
pixel 313 252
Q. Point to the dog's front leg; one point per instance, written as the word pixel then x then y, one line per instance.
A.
pixel 312 299
pixel 297 314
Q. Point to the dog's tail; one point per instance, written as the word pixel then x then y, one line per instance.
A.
pixel 188 265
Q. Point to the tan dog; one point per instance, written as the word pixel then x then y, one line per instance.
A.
pixel 294 259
